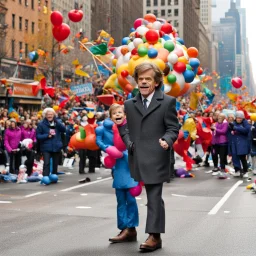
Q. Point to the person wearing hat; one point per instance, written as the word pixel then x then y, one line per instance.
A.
pixel 12 138
pixel 240 144
pixel 48 133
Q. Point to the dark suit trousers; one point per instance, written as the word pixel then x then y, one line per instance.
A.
pixel 156 212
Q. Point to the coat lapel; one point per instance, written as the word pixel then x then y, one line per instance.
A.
pixel 155 103
pixel 138 103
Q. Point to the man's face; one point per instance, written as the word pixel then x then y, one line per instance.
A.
pixel 146 83
pixel 118 116
pixel 49 116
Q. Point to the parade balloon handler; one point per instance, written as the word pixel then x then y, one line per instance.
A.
pixel 49 134
pixel 109 140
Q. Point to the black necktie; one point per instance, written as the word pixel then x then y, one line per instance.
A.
pixel 145 104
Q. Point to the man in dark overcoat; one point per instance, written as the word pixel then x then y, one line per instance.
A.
pixel 152 128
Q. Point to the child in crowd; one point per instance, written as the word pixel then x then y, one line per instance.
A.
pixel 127 209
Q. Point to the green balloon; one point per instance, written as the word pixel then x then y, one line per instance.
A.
pixel 171 79
pixel 169 45
pixel 142 51
pixel 114 70
pixel 188 67
pixel 144 39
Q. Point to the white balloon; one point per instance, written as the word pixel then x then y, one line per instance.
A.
pixel 184 51
pixel 142 30
pixel 167 88
pixel 118 51
pixel 162 41
pixel 180 80
pixel 127 57
pixel 131 46
pixel 172 58
pixel 157 25
pixel 120 61
pixel 137 42
pixel 196 81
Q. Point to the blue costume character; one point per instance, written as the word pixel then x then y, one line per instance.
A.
pixel 127 210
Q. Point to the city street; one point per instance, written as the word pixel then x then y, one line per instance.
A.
pixel 75 219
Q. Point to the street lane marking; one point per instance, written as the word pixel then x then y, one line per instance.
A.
pixel 216 208
pixel 85 184
pixel 179 195
pixel 5 202
pixel 83 207
pixel 35 194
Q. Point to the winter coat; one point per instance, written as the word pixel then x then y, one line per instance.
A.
pixel 28 133
pixel 12 139
pixel 240 144
pixel 148 161
pixel 253 140
pixel 220 135
pixel 53 144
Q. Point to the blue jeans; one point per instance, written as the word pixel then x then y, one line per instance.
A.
pixel 127 210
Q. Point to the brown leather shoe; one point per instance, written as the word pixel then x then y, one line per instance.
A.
pixel 126 235
pixel 151 244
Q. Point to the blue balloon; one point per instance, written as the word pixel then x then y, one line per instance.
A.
pixel 180 40
pixel 45 180
pixel 133 29
pixel 152 53
pixel 188 76
pixel 166 37
pixel 31 55
pixel 194 62
pixel 53 178
pixel 125 40
pixel 130 96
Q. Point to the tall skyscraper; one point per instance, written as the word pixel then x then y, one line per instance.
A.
pixel 219 9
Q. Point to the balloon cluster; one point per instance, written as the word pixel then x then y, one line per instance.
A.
pixel 156 41
pixel 61 30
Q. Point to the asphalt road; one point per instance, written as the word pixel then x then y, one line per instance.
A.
pixel 72 219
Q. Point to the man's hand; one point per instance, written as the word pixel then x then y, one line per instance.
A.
pixel 163 144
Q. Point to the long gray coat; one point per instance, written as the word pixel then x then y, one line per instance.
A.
pixel 149 162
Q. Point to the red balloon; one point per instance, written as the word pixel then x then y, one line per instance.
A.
pixel 200 71
pixel 166 28
pixel 137 35
pixel 134 51
pixel 161 33
pixel 137 23
pixel 152 36
pixel 75 15
pixel 179 67
pixel 124 73
pixel 61 32
pixel 56 18
pixel 237 82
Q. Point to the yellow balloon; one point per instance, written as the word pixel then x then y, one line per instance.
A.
pixel 253 117
pixel 183 59
pixel 122 68
pixel 158 45
pixel 56 108
pixel 135 61
pixel 114 61
pixel 159 63
pixel 110 83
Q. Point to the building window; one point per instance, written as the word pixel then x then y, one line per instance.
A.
pixel 148 11
pixel 20 23
pixel 176 12
pixel 26 50
pixel 169 12
pixel 33 27
pixel 176 2
pixel 26 3
pixel 162 2
pixel 46 28
pixel 155 2
pixel 26 25
pixel 32 4
pixel 155 12
pixel 13 21
pixel 13 48
pixel 176 23
pixel 169 2
pixel 148 2
pixel 20 44
pixel 20 1
pixel 162 12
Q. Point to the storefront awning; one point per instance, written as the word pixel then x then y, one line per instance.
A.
pixel 33 102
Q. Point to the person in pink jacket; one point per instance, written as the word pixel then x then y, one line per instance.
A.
pixel 12 138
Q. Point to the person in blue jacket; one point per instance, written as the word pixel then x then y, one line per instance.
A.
pixel 48 132
pixel 127 209
pixel 240 144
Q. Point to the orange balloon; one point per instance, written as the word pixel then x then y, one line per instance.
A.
pixel 192 52
pixel 90 142
pixel 163 54
pixel 150 17
pixel 175 90
pixel 124 50
pixel 183 59
pixel 129 88
pixel 185 89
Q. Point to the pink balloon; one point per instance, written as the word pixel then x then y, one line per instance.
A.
pixel 118 142
pixel 137 23
pixel 113 152
pixel 136 191
pixel 109 162
pixel 237 82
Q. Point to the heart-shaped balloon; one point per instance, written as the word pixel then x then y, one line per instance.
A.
pixel 61 32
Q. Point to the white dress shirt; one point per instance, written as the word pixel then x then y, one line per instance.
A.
pixel 149 98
